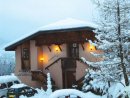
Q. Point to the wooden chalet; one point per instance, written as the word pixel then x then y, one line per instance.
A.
pixel 57 49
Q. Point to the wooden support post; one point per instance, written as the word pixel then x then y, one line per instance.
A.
pixel 49 48
pixel 59 47
pixel 82 46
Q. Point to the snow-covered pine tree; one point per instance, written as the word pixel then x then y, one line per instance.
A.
pixel 96 78
pixel 7 62
pixel 92 84
pixel 115 33
pixel 113 37
pixel 49 85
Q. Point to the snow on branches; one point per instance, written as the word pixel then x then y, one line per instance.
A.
pixel 113 34
pixel 113 38
pixel 7 62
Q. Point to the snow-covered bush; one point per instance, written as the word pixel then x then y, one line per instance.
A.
pixel 116 90
pixel 93 84
pixel 124 92
pixel 7 62
pixel 49 85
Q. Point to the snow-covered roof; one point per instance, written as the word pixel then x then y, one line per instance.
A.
pixel 66 24
pixel 18 86
pixel 8 78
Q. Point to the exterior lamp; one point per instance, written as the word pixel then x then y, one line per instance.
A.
pixel 91 47
pixel 42 59
pixel 57 48
pixel 41 63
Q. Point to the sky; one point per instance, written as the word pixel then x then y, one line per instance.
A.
pixel 19 17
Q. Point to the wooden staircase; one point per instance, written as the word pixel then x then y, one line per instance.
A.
pixel 40 76
pixel 79 82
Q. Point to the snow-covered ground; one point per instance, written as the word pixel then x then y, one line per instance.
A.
pixel 61 93
pixel 41 94
pixel 114 91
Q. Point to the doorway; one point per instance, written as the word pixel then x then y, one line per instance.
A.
pixel 69 72
pixel 69 78
pixel 69 65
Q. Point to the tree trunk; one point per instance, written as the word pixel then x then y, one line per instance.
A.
pixel 109 84
pixel 120 47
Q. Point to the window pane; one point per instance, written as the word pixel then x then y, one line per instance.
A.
pixel 2 86
pixel 16 82
pixel 26 54
pixel 10 84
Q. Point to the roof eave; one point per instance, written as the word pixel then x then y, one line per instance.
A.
pixel 13 46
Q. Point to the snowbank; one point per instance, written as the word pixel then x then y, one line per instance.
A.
pixel 63 92
pixel 72 93
pixel 66 92
pixel 116 90
pixel 127 90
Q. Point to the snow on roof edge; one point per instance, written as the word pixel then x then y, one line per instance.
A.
pixel 21 38
pixel 68 23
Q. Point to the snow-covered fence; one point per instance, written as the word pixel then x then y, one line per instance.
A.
pixel 67 93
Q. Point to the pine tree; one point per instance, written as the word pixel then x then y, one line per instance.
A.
pixel 113 38
pixel 7 62
pixel 92 84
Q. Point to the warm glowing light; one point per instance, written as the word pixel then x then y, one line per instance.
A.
pixel 56 48
pixel 91 47
pixel 41 59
